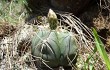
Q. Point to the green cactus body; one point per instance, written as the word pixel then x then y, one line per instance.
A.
pixel 54 47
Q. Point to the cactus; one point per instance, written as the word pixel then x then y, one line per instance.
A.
pixel 54 46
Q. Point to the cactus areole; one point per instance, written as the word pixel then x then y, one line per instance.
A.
pixel 55 47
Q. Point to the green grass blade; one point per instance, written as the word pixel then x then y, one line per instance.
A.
pixel 101 49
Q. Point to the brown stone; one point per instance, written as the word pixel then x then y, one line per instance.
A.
pixel 74 6
pixel 37 5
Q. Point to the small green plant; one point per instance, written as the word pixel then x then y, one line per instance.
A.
pixel 90 62
pixel 101 49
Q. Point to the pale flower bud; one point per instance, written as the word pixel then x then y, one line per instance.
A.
pixel 52 19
